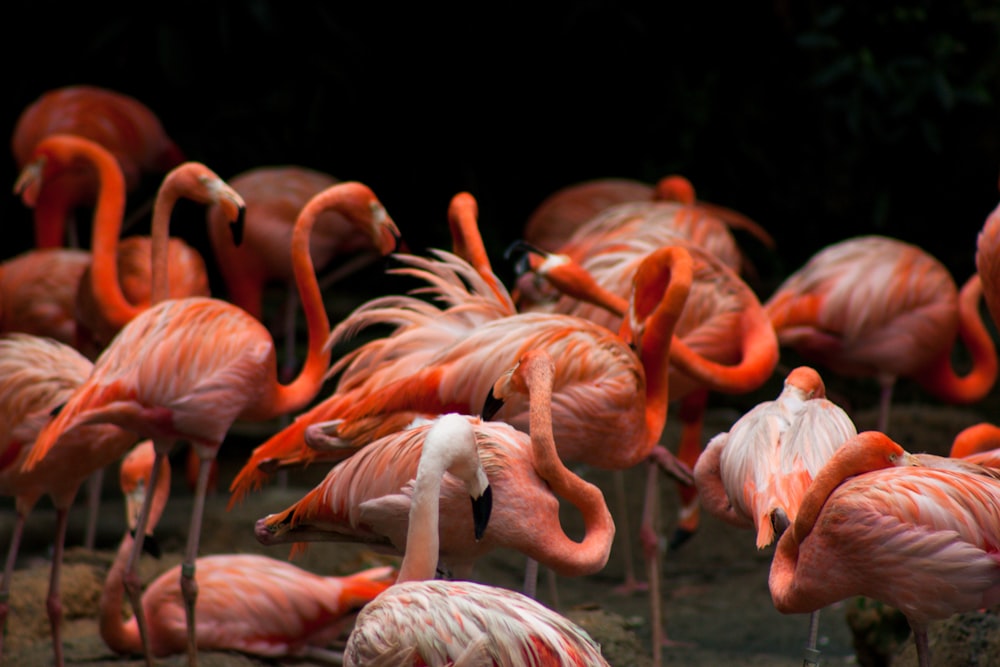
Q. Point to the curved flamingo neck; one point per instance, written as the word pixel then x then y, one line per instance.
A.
pixel 467 241
pixel 120 635
pixel 661 286
pixel 566 556
pixel 54 206
pixel 940 378
pixel 571 279
pixel 975 439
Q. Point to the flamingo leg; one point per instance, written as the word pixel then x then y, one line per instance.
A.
pixel 923 647
pixel 651 553
pixel 691 414
pixel 623 535
pixel 885 403
pixel 53 603
pixel 130 579
pixel 94 486
pixel 189 585
pixel 8 571
pixel 812 654
pixel 531 578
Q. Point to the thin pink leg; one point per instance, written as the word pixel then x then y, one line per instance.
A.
pixel 95 485
pixel 623 535
pixel 189 585
pixel 8 572
pixel 53 603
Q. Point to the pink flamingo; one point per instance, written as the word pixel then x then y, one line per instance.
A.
pixel 979 443
pixel 873 306
pixel 366 497
pixel 186 369
pixel 483 624
pixel 38 292
pixel 875 522
pixel 246 602
pixel 36 376
pixel 121 124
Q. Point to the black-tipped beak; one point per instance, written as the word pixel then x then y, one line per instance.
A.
pixel 481 509
pixel 236 227
pixel 521 265
pixel 491 406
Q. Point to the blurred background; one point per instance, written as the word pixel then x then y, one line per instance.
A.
pixel 820 120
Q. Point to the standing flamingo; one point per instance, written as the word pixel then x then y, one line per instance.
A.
pixel 756 474
pixel 920 538
pixel 419 621
pixel 121 124
pixel 36 376
pixel 873 306
pixel 186 369
pixel 366 498
pixel 117 284
pixel 246 602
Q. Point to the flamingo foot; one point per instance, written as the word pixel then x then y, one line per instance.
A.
pixel 631 586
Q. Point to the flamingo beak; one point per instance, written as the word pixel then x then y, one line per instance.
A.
pixel 481 509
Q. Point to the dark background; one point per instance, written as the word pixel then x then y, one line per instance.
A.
pixel 819 120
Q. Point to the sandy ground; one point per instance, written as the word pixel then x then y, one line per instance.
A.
pixel 715 594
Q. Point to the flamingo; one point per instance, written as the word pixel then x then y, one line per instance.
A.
pixel 247 602
pixel 123 125
pixel 116 286
pixel 558 218
pixel 755 474
pixel 419 621
pixel 186 369
pixel 988 262
pixel 38 292
pixel 366 497
pixel 723 341
pixel 873 306
pixel 605 390
pixel 875 522
pixel 979 443
pixel 36 375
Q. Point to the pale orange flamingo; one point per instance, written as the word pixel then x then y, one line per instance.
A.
pixel 186 369
pixel 38 292
pixel 875 522
pixel 366 498
pixel 117 285
pixel 755 474
pixel 484 625
pixel 246 602
pixel 979 443
pixel 38 374
pixel 878 307
pixel 723 342
pixel 606 390
pixel 123 125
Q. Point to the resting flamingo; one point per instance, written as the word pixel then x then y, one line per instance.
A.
pixel 247 602
pixel 186 369
pixel 483 624
pixel 366 498
pixel 123 125
pixel 920 538
pixel 558 218
pixel 36 375
pixel 878 307
pixel 755 474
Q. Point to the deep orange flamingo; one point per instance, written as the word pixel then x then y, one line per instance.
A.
pixel 979 443
pixel 366 498
pixel 246 602
pixel 117 285
pixel 186 369
pixel 988 262
pixel 124 126
pixel 920 538
pixel 605 390
pixel 37 375
pixel 482 624
pixel 873 306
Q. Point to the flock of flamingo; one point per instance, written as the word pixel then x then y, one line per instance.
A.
pixel 629 297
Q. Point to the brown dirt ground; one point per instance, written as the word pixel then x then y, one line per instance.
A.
pixel 715 592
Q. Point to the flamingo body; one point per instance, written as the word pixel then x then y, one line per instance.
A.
pixel 38 292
